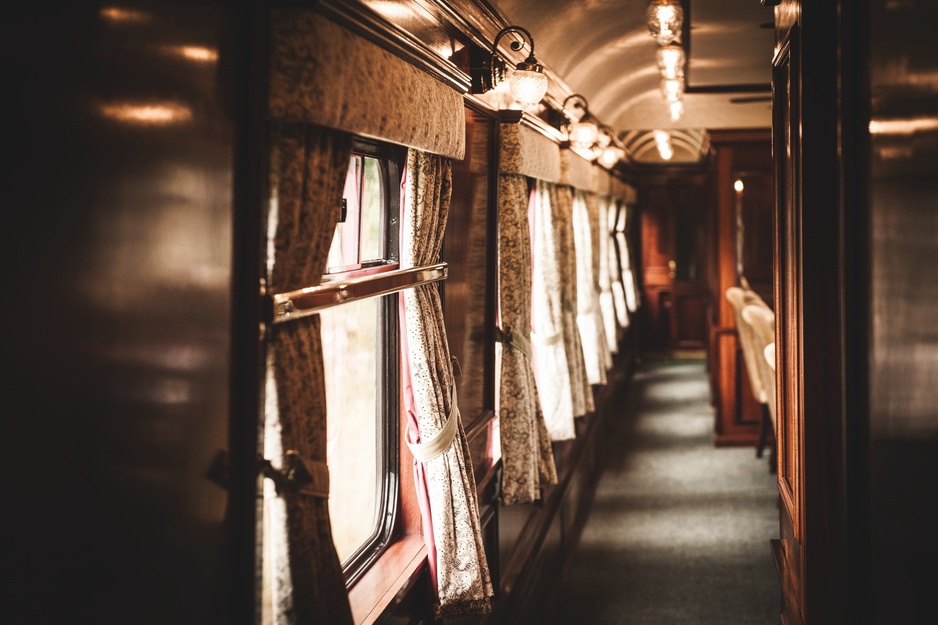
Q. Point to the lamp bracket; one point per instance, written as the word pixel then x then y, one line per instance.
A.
pixel 497 68
pixel 579 102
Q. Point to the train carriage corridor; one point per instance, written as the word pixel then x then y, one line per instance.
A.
pixel 678 531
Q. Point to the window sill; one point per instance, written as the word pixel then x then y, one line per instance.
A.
pixel 387 579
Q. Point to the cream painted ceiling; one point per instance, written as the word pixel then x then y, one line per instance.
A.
pixel 602 49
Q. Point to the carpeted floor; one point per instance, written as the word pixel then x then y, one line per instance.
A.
pixel 679 531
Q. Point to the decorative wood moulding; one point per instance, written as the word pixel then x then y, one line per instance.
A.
pixel 365 22
pixel 482 23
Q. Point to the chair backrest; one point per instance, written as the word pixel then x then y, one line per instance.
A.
pixel 761 321
pixel 737 297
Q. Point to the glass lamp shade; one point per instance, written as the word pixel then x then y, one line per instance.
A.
pixel 676 109
pixel 663 139
pixel 672 89
pixel 610 156
pixel 527 86
pixel 583 134
pixel 670 61
pixel 665 19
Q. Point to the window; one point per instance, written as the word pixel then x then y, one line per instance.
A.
pixel 360 355
pixel 360 358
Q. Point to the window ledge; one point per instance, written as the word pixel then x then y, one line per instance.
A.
pixel 385 580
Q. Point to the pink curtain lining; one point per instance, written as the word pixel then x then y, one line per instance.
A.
pixel 413 436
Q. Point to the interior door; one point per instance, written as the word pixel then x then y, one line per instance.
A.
pixel 674 215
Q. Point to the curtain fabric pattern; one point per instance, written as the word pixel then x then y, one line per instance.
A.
pixel 594 205
pixel 390 99
pixel 525 151
pixel 589 316
pixel 547 337
pixel 309 169
pixel 527 456
pixel 562 213
pixel 451 519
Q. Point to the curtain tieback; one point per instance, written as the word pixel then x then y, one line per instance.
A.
pixel 546 341
pixel 513 340
pixel 439 442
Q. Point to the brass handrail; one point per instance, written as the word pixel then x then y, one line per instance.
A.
pixel 311 300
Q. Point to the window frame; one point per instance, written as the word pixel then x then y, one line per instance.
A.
pixel 387 415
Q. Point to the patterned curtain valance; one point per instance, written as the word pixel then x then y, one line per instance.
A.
pixel 576 171
pixel 603 182
pixel 324 74
pixel 527 152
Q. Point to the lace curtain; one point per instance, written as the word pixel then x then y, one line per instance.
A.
pixel 561 197
pixel 527 456
pixel 550 357
pixel 309 166
pixel 589 315
pixel 442 465
pixel 615 267
pixel 606 300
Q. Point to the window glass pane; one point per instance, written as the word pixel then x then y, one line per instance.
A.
pixel 343 254
pixel 351 354
pixel 372 208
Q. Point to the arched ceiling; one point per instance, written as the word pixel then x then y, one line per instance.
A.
pixel 602 49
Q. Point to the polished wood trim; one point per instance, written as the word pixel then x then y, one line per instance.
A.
pixel 478 426
pixel 791 612
pixel 388 579
pixel 788 284
pixel 742 135
pixel 396 40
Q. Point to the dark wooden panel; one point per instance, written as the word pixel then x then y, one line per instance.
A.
pixel 468 293
pixel 742 155
pixel 689 318
pixel 118 363
pixel 738 414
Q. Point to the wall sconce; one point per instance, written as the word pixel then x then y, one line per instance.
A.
pixel 527 82
pixel 670 61
pixel 611 155
pixel 605 136
pixel 665 19
pixel 582 132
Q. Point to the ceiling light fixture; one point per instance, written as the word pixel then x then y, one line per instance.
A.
pixel 672 89
pixel 663 139
pixel 527 81
pixel 665 19
pixel 670 61
pixel 676 109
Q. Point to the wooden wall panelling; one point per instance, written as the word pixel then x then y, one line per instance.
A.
pixel 737 153
pixel 674 262
pixel 788 551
